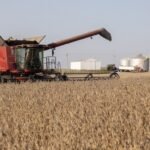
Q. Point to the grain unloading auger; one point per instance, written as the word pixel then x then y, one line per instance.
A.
pixel 24 59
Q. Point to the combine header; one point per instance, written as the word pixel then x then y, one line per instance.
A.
pixel 22 60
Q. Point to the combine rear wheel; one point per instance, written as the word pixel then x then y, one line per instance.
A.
pixel 88 77
pixel 114 76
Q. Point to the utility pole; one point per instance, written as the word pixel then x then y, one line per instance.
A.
pixel 67 61
pixel 114 57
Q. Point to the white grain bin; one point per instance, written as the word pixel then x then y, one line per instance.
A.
pixel 140 62
pixel 146 64
pixel 148 60
pixel 125 62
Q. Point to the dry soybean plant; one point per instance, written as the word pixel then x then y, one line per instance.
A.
pixel 91 115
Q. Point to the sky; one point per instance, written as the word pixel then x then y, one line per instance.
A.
pixel 128 22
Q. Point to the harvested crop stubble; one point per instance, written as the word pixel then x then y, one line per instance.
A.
pixel 76 115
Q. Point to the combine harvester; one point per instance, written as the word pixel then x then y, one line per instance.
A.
pixel 23 60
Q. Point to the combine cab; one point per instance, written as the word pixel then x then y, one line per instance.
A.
pixel 22 60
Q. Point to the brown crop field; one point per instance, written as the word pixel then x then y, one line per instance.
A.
pixel 91 115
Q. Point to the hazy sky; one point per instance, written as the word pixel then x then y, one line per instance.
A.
pixel 127 20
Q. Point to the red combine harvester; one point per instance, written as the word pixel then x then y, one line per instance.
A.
pixel 22 60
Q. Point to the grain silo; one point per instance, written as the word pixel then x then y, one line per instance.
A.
pixel 140 62
pixel 125 62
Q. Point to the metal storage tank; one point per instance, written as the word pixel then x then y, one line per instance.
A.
pixel 140 62
pixel 125 62
pixel 149 64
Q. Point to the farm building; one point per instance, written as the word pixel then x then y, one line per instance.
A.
pixel 89 64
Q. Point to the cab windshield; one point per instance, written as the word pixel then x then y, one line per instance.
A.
pixel 29 58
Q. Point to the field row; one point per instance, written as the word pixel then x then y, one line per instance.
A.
pixel 92 115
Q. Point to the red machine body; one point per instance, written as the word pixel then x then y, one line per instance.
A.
pixel 7 59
